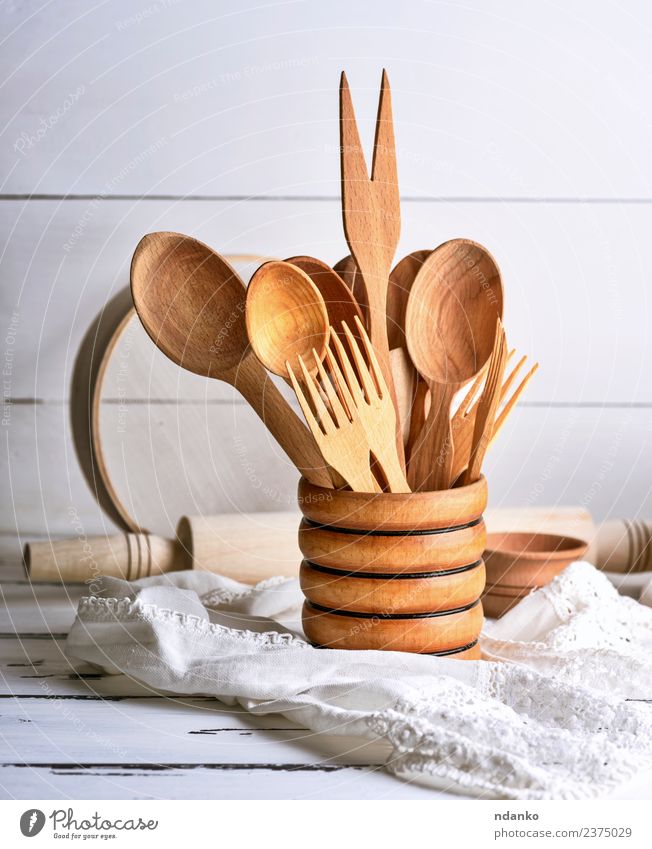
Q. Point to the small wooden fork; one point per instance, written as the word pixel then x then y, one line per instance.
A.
pixel 360 382
pixel 463 422
pixel 340 437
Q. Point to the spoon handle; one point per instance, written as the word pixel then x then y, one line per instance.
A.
pixel 253 383
pixel 432 457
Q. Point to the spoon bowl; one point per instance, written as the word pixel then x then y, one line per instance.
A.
pixel 192 305
pixel 188 298
pixel 286 317
pixel 450 322
pixel 341 304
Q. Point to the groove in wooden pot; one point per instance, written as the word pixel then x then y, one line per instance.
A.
pixel 425 634
pixel 420 594
pixel 351 550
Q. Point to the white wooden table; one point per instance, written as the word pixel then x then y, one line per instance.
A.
pixel 68 731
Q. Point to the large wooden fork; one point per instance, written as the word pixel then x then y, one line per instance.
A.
pixel 372 219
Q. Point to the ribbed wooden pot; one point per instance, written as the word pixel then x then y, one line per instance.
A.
pixel 394 571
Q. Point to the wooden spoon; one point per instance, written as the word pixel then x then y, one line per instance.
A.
pixel 341 304
pixel 411 407
pixel 348 271
pixel 401 279
pixel 286 317
pixel 192 305
pixel 450 327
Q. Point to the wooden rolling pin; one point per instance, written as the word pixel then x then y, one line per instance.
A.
pixel 246 546
pixel 622 545
pixel 250 547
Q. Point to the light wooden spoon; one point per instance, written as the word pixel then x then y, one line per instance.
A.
pixel 341 304
pixel 411 406
pixel 450 326
pixel 192 305
pixel 286 317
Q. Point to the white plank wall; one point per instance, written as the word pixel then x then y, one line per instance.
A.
pixel 521 125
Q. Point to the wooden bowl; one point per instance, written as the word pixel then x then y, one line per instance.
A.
pixel 517 563
pixel 395 571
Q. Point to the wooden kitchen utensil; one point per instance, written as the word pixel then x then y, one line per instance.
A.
pixel 127 399
pixel 372 217
pixel 410 393
pixel 340 436
pixel 359 379
pixel 286 317
pixel 338 298
pixel 192 304
pixel 394 571
pixel 450 330
pixel 462 423
pixel 487 405
pixel 248 547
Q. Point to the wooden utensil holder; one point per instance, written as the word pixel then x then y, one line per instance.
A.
pixel 394 571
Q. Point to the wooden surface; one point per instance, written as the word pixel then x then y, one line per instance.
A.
pixel 68 731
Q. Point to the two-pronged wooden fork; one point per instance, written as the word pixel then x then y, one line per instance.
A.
pixel 463 422
pixel 350 412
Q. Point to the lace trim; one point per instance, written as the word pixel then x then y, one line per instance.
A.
pixel 519 735
pixel 123 609
pixel 214 598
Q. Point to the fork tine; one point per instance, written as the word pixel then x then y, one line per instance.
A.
pixel 465 404
pixel 383 169
pixel 509 380
pixel 354 167
pixel 472 408
pixel 500 421
pixel 312 422
pixel 351 379
pixel 317 401
pixel 372 390
pixel 340 383
pixel 337 409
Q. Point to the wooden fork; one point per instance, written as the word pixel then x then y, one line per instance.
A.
pixel 340 437
pixel 463 422
pixel 360 382
pixel 371 214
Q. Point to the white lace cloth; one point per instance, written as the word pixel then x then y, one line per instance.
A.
pixel 553 722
